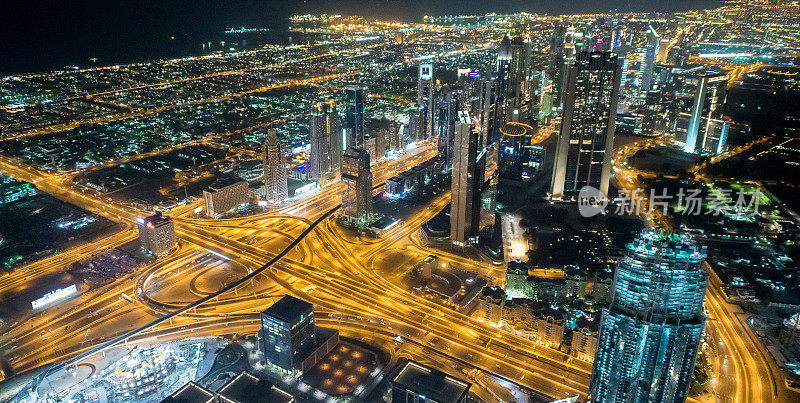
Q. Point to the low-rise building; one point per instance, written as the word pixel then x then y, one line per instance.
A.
pixel 584 338
pixel 490 303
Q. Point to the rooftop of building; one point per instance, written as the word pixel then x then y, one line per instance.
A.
pixel 157 219
pixel 590 324
pixel 247 388
pixel 343 370
pixel 539 309
pixel 433 384
pixel 224 182
pixel 288 309
pixel 681 246
pixel 494 292
pixel 190 393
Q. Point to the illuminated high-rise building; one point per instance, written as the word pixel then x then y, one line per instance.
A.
pixel 647 65
pixel 489 116
pixel 563 47
pixel 501 72
pixel 156 234
pixel 326 140
pixel 354 115
pixel 276 186
pixel 583 153
pixel 650 334
pixel 517 91
pixel 663 50
pixel 426 100
pixel 415 129
pixel 357 177
pixel 449 106
pixel 468 171
pixel 710 90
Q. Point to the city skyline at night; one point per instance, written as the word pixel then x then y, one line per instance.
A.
pixel 400 202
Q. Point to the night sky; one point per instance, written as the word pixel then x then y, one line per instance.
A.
pixel 39 35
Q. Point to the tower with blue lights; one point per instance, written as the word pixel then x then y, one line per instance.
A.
pixel 650 334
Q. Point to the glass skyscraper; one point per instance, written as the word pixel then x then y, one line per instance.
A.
pixel 650 334
pixel 354 115
pixel 583 154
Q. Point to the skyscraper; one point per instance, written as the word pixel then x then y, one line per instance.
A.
pixel 354 116
pixel 517 91
pixel 276 187
pixel 489 122
pixel 468 171
pixel 356 175
pixel 415 129
pixel 562 46
pixel 650 333
pixel 709 97
pixel 583 154
pixel 501 72
pixel 426 94
pixel 326 141
pixel 646 68
pixel 447 113
pixel 288 332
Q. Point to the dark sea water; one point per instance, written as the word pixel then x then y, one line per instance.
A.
pixel 42 35
pixel 136 49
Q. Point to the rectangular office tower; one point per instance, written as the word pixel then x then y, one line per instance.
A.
pixel 646 67
pixel 357 198
pixel 468 171
pixel 224 195
pixel 354 115
pixel 583 154
pixel 276 186
pixel 288 332
pixel 426 95
pixel 156 234
pixel 710 90
pixel 326 141
pixel 650 333
pixel 517 91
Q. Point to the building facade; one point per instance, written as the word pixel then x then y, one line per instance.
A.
pixel 650 334
pixel 276 177
pixel 156 234
pixel 426 96
pixel 357 177
pixel 288 332
pixel 709 99
pixel 466 183
pixel 646 67
pixel 225 195
pixel 586 140
pixel 354 116
pixel 326 141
